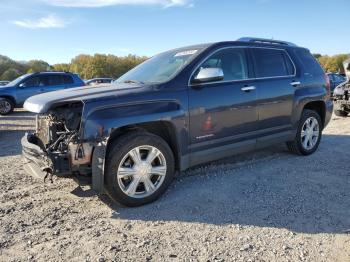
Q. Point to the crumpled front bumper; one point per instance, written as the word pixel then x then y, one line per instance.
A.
pixel 39 163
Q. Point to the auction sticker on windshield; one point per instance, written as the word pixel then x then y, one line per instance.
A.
pixel 185 53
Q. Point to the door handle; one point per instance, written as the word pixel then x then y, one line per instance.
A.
pixel 295 83
pixel 248 88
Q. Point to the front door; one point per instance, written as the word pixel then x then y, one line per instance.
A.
pixel 223 113
pixel 31 86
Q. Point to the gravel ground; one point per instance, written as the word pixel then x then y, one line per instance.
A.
pixel 264 206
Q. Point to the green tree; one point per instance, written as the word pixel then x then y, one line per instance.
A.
pixel 62 67
pixel 38 66
pixel 10 74
pixel 333 63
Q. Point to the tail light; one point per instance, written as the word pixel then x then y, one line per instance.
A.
pixel 328 85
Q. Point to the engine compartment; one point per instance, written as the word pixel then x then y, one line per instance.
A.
pixel 59 127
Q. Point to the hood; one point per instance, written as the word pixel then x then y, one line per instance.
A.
pixel 5 88
pixel 43 102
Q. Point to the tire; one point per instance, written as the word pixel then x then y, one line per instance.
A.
pixel 6 106
pixel 302 145
pixel 129 179
pixel 340 113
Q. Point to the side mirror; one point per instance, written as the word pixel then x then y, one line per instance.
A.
pixel 22 85
pixel 209 75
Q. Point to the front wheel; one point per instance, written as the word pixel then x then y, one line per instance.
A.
pixel 308 135
pixel 139 168
pixel 6 106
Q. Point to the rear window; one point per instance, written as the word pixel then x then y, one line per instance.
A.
pixel 272 63
pixel 308 62
pixel 67 79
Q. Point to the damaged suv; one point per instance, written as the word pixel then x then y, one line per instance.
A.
pixel 179 109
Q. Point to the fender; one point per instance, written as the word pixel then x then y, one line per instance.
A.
pixel 302 97
pixel 99 124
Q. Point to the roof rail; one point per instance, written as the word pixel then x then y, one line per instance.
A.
pixel 265 41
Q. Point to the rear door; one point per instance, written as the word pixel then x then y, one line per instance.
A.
pixel 55 82
pixel 276 83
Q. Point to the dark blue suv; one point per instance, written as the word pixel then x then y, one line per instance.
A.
pixel 178 109
pixel 16 92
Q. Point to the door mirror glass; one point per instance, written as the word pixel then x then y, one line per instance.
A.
pixel 209 75
pixel 22 85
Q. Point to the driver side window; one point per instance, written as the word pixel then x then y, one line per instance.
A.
pixel 32 82
pixel 232 61
pixel 36 81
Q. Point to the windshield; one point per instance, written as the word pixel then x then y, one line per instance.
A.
pixel 17 80
pixel 160 68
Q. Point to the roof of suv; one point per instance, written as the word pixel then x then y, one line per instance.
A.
pixel 246 41
pixel 53 72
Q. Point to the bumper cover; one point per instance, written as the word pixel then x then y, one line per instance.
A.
pixel 39 163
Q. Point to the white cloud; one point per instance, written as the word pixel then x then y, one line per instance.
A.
pixel 50 21
pixel 102 3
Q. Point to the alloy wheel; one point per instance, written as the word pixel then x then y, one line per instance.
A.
pixel 5 107
pixel 310 133
pixel 141 171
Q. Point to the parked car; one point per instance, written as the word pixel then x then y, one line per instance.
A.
pixel 4 83
pixel 16 92
pixel 342 94
pixel 98 81
pixel 179 109
pixel 335 80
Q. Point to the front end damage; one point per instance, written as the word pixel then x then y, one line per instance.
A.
pixel 56 148
pixel 341 97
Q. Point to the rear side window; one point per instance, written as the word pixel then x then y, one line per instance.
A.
pixel 55 80
pixel 67 79
pixel 272 63
pixel 308 62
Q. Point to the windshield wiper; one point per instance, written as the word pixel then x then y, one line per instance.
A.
pixel 133 82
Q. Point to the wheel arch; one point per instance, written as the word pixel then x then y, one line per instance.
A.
pixel 318 106
pixel 164 129
pixel 10 98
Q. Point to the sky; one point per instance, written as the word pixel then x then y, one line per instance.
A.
pixel 58 30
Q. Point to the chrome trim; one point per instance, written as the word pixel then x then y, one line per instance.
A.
pixel 295 83
pixel 240 80
pixel 248 88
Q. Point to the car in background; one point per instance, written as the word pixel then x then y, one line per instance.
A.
pixel 16 92
pixel 4 83
pixel 335 80
pixel 98 81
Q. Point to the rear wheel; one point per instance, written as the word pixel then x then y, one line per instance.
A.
pixel 308 135
pixel 6 106
pixel 139 168
pixel 341 113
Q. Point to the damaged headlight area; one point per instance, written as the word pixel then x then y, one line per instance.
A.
pixel 56 147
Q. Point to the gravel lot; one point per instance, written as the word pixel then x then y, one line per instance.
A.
pixel 264 206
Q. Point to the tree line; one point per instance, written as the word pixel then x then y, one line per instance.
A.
pixel 101 65
pixel 332 63
pixel 87 66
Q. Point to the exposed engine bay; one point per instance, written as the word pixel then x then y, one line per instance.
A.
pixel 57 134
